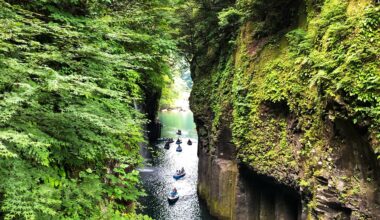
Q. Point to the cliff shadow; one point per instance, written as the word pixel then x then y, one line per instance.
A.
pixel 260 198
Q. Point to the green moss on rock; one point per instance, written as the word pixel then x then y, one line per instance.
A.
pixel 289 88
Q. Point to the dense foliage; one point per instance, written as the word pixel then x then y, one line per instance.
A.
pixel 177 87
pixel 71 73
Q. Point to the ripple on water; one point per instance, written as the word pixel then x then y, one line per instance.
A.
pixel 158 178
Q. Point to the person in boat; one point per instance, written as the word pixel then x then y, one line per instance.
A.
pixel 173 192
pixel 179 132
pixel 167 145
pixel 189 142
pixel 181 171
pixel 179 148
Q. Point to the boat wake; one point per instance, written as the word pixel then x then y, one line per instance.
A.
pixel 145 170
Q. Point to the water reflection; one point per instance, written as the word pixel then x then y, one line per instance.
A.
pixel 158 179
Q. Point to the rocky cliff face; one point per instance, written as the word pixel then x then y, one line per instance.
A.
pixel 286 102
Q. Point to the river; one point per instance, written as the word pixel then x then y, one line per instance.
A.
pixel 157 175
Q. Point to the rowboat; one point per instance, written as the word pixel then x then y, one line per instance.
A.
pixel 179 149
pixel 179 175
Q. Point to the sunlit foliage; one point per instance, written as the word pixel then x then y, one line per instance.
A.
pixel 71 74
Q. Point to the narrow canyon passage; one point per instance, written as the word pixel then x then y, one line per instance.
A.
pixel 161 164
pixel 157 176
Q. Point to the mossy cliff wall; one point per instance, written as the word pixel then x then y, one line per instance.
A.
pixel 286 99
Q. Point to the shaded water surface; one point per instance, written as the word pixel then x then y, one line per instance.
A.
pixel 157 175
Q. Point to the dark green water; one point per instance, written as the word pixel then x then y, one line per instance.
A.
pixel 157 175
